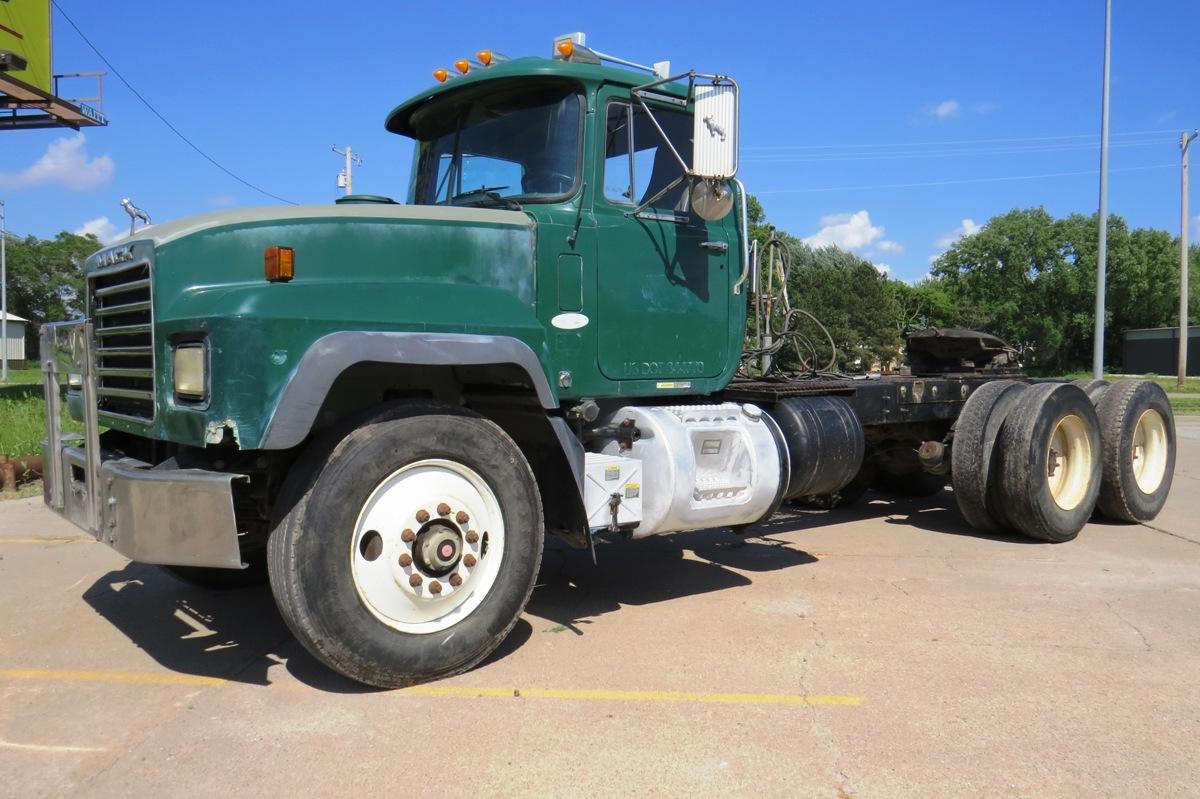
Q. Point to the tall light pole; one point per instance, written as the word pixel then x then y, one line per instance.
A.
pixel 1102 252
pixel 3 296
pixel 1184 140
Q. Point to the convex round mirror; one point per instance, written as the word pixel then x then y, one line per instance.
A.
pixel 710 199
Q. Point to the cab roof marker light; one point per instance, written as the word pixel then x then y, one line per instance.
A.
pixel 573 47
pixel 489 58
pixel 441 74
pixel 463 65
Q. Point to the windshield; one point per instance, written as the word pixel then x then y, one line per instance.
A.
pixel 500 148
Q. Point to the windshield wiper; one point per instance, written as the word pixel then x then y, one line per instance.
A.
pixel 485 194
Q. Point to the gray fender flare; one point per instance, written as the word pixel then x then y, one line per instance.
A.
pixel 330 355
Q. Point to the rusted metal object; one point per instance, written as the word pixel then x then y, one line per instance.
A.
pixel 414 579
pixel 14 469
pixel 461 517
pixel 472 537
pixel 932 455
pixel 443 509
pixel 469 560
pixel 422 516
pixel 406 560
pixel 408 536
pixel 435 587
pixel 456 580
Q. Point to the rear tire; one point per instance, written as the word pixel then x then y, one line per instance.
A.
pixel 420 496
pixel 973 452
pixel 1095 389
pixel 1137 429
pixel 1049 462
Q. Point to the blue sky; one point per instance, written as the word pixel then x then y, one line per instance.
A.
pixel 845 106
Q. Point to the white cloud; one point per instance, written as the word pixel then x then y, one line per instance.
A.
pixel 945 109
pixel 890 247
pixel 884 269
pixel 102 228
pixel 65 163
pixel 966 228
pixel 984 108
pixel 848 231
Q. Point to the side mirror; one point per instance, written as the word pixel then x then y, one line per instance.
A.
pixel 715 129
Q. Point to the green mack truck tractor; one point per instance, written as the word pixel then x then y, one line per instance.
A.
pixel 385 407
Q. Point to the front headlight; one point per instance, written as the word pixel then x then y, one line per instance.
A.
pixel 191 380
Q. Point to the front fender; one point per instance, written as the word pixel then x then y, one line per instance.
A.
pixel 330 355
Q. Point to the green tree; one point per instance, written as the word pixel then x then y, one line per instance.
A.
pixel 45 276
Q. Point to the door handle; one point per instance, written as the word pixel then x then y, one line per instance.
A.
pixel 715 246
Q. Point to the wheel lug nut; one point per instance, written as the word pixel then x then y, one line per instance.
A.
pixel 443 509
pixel 422 516
pixel 406 560
pixel 435 587
pixel 469 560
pixel 472 537
pixel 456 580
pixel 414 580
pixel 407 536
pixel 461 517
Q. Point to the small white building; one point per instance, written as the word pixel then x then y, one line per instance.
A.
pixel 15 344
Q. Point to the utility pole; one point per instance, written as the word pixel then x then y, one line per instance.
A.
pixel 346 177
pixel 1184 140
pixel 1102 253
pixel 3 296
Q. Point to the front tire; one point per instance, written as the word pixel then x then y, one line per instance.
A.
pixel 410 546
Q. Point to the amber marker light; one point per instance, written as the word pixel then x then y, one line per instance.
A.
pixel 279 264
pixel 462 65
pixel 565 48
pixel 440 75
pixel 484 57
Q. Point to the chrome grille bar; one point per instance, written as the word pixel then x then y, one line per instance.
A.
pixel 121 308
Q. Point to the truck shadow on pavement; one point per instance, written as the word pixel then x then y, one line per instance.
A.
pixel 238 635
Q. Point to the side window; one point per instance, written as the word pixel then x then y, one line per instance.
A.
pixel 637 163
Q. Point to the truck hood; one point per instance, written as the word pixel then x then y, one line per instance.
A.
pixel 169 231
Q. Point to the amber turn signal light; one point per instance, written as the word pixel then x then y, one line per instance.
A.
pixel 565 48
pixel 462 65
pixel 279 264
pixel 484 57
pixel 440 75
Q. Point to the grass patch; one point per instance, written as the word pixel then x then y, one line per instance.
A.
pixel 23 414
pixel 1184 406
pixel 1190 386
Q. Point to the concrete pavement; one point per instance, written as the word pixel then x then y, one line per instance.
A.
pixel 880 651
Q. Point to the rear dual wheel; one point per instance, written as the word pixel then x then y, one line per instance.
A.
pixel 1027 458
pixel 1138 430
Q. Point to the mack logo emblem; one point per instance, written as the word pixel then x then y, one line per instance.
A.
pixel 655 368
pixel 117 255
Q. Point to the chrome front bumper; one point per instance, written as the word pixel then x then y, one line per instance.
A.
pixel 151 514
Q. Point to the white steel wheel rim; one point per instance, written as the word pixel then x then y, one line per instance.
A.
pixel 383 563
pixel 1069 462
pixel 1149 451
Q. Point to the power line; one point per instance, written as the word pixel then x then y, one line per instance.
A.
pixel 161 118
pixel 809 158
pixel 959 141
pixel 961 182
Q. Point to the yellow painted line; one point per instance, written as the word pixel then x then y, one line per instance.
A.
pixel 110 676
pixel 462 692
pixel 49 748
pixel 58 539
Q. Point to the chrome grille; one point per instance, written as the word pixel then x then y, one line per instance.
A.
pixel 120 303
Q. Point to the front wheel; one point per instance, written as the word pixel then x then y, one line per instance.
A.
pixel 410 547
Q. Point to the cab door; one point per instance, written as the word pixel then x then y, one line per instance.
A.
pixel 663 274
